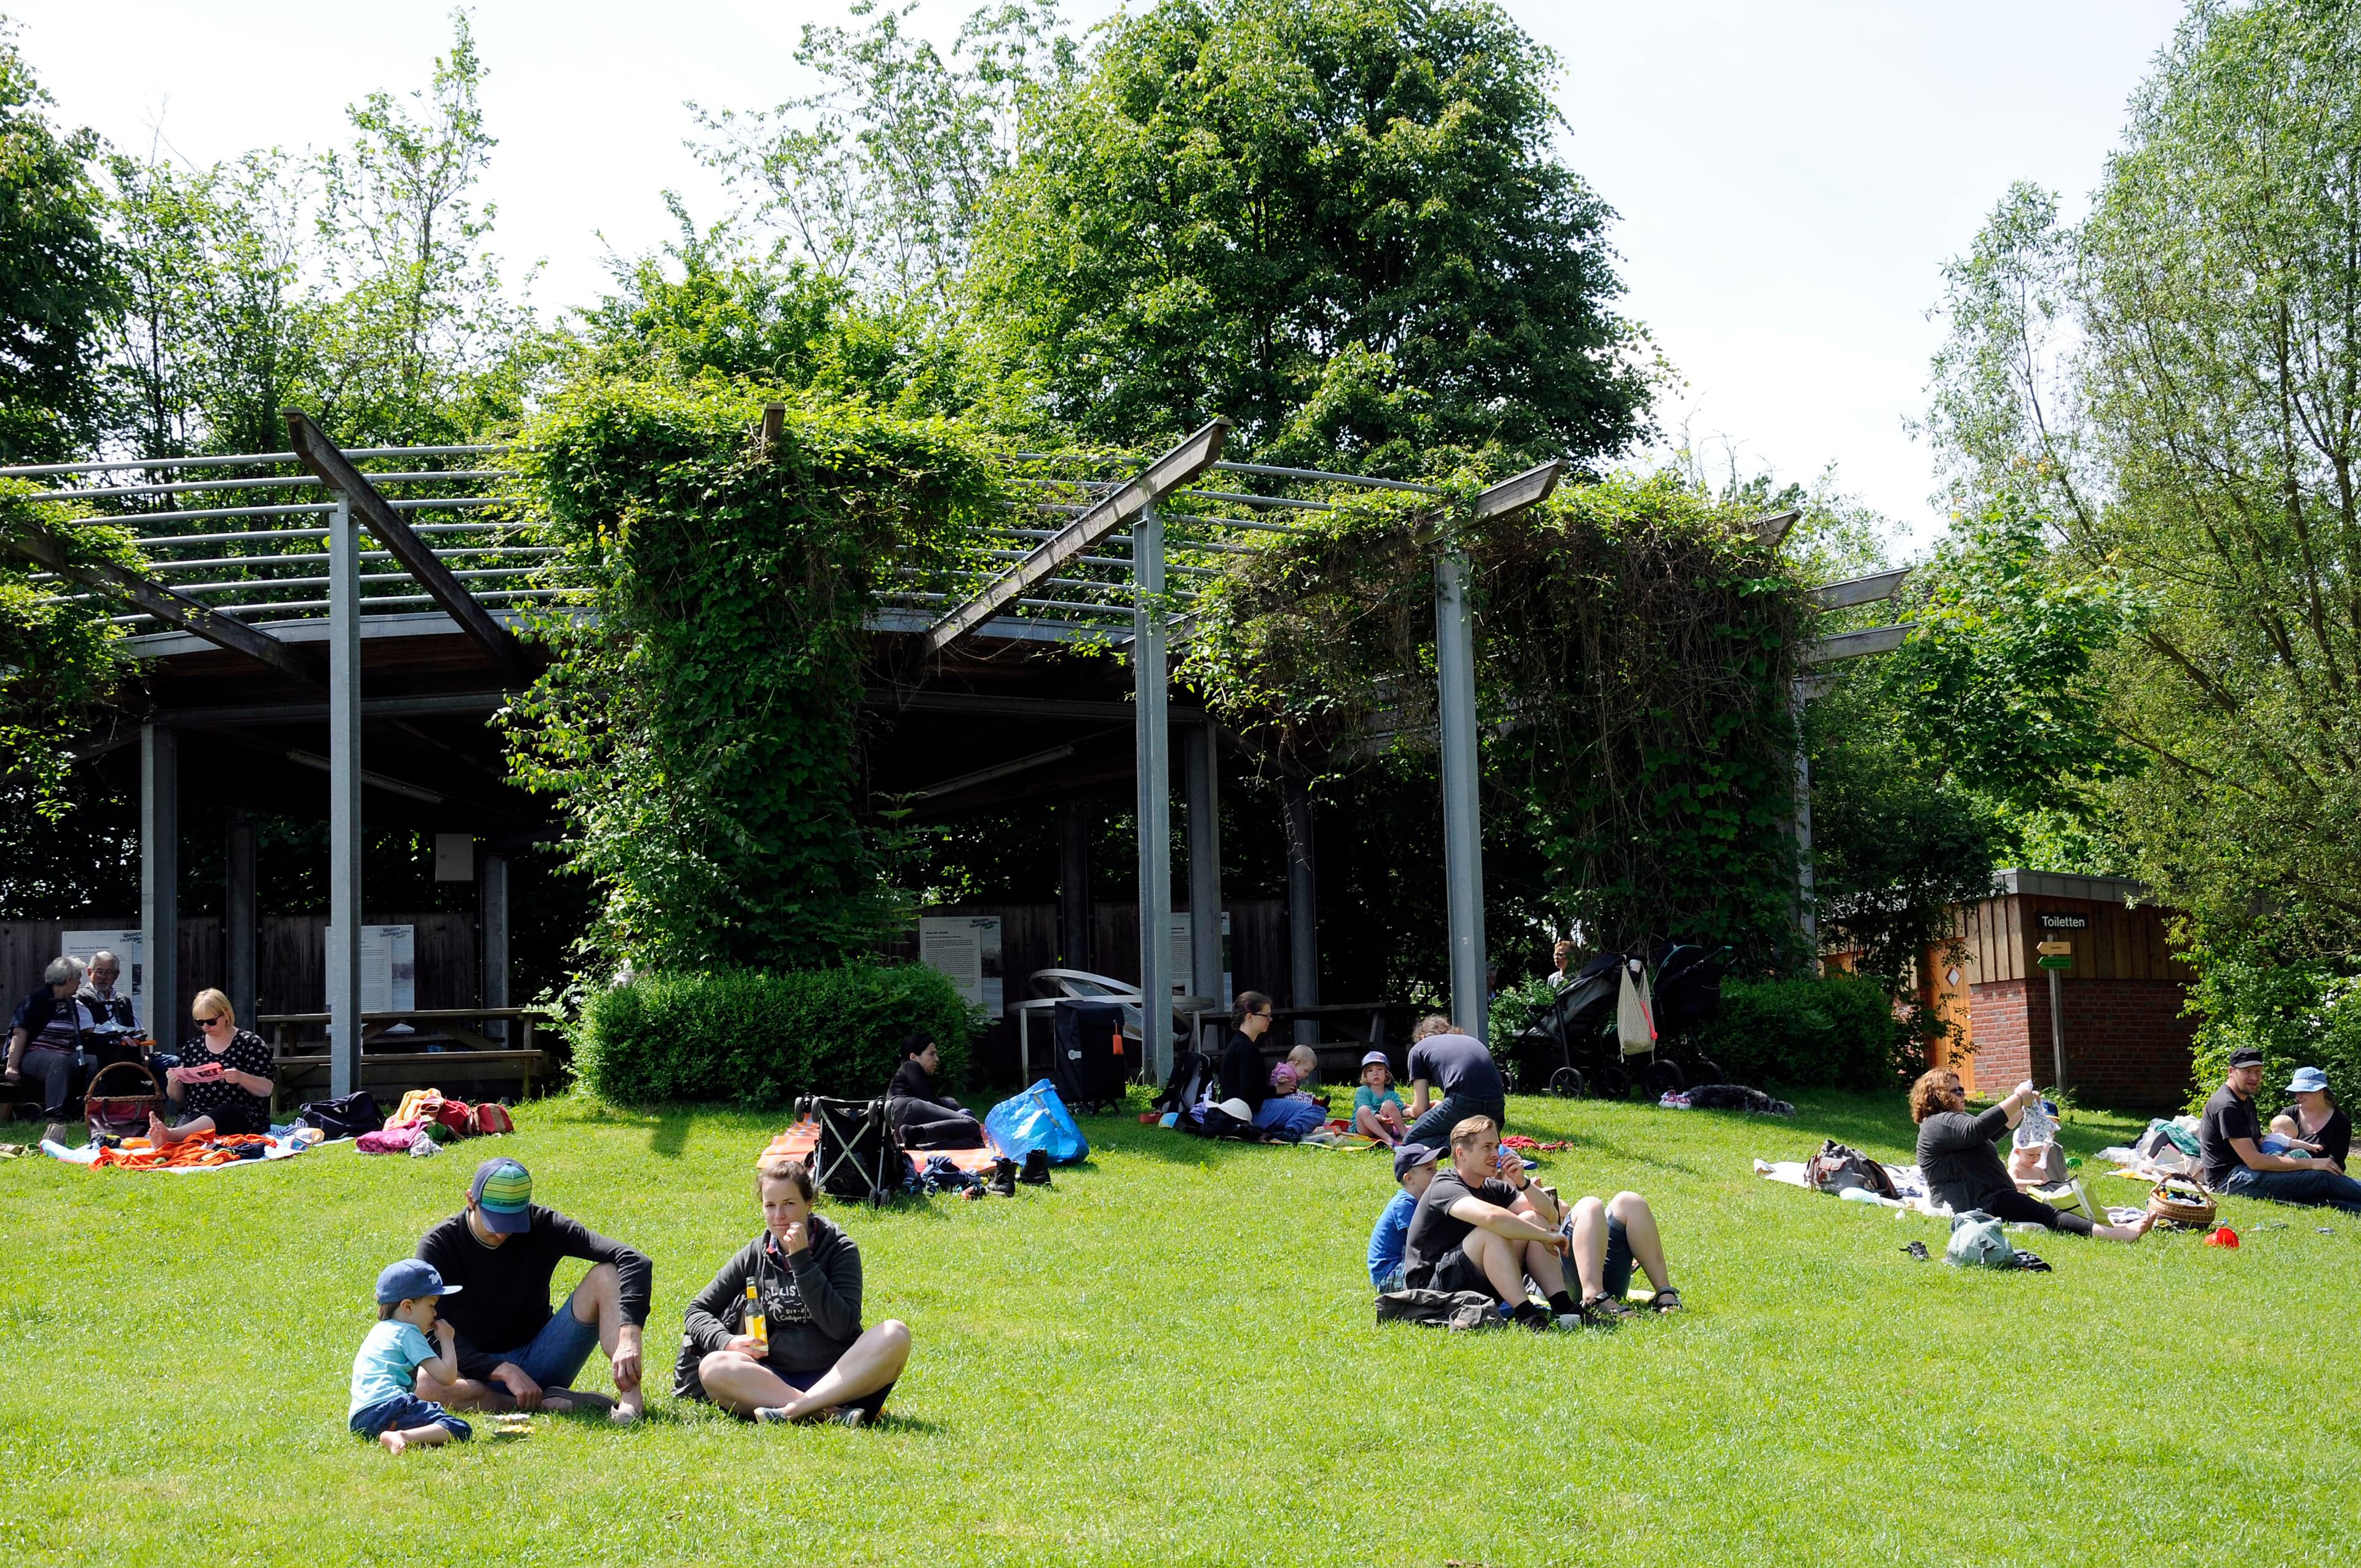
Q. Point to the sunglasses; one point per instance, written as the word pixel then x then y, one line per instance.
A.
pixel 209 1023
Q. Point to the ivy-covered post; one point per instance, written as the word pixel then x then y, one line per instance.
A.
pixel 1807 918
pixel 1154 756
pixel 1302 907
pixel 344 802
pixel 1463 833
pixel 160 879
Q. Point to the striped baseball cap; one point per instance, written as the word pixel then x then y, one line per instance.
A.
pixel 502 1193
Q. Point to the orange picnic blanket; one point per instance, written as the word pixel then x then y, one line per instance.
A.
pixel 801 1141
pixel 205 1148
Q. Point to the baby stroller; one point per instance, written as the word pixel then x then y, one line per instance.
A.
pixel 1680 991
pixel 859 1158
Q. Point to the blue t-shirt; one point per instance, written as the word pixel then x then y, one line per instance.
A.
pixel 387 1363
pixel 1392 1234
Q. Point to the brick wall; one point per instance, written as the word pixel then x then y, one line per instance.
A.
pixel 2126 1045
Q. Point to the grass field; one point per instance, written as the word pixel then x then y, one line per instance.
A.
pixel 1170 1358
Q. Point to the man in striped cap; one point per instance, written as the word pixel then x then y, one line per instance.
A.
pixel 513 1350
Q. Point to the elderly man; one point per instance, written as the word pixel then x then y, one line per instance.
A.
pixel 2230 1139
pixel 502 1251
pixel 45 1039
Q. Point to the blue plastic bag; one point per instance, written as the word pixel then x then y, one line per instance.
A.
pixel 1037 1118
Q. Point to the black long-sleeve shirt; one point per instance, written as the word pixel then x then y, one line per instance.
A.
pixel 912 1081
pixel 503 1298
pixel 811 1304
pixel 1957 1154
pixel 1244 1076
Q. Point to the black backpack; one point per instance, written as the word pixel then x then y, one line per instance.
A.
pixel 346 1118
pixel 1192 1072
pixel 1088 1065
pixel 1457 1310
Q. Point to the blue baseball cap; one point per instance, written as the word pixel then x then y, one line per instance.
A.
pixel 408 1280
pixel 2308 1081
pixel 1409 1157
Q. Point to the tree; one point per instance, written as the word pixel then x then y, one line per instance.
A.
pixel 1341 225
pixel 55 286
pixel 2199 336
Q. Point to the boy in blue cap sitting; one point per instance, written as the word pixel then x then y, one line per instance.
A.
pixel 385 1404
pixel 1413 1168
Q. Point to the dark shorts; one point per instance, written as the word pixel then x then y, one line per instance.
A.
pixel 407 1412
pixel 1433 1129
pixel 555 1357
pixel 1454 1270
pixel 245 1114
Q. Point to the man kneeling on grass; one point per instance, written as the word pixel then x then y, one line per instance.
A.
pixel 1485 1225
pixel 514 1352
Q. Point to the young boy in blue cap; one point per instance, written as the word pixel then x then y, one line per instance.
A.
pixel 385 1404
pixel 1413 1168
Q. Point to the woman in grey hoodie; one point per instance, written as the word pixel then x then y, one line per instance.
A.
pixel 813 1361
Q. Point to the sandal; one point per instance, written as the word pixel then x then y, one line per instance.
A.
pixel 1665 1301
pixel 1604 1311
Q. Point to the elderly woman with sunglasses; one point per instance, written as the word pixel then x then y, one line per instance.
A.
pixel 223 1084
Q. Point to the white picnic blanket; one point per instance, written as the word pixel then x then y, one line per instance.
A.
pixel 285 1147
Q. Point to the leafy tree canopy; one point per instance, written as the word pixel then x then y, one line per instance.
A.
pixel 1341 225
pixel 55 288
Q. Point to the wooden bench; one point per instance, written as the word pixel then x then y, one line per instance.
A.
pixel 475 1057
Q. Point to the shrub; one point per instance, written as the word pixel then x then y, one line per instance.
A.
pixel 2297 1014
pixel 761 1038
pixel 1841 1031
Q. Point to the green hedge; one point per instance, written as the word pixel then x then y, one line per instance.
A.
pixel 760 1037
pixel 1839 1032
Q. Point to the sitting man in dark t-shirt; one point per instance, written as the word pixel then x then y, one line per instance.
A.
pixel 2230 1138
pixel 1484 1224
pixel 1443 1058
pixel 1957 1153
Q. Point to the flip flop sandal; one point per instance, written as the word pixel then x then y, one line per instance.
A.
pixel 1665 1301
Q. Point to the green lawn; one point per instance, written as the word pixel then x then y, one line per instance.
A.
pixel 1170 1358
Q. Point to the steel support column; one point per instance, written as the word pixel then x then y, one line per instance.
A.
pixel 344 803
pixel 159 885
pixel 1154 746
pixel 238 918
pixel 493 919
pixel 1463 832
pixel 1204 778
pixel 1074 885
pixel 1302 907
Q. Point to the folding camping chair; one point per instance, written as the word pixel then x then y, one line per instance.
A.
pixel 859 1159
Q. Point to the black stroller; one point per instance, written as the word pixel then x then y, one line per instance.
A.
pixel 859 1159
pixel 1579 1024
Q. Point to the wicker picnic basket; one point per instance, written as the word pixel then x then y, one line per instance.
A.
pixel 114 1113
pixel 2181 1203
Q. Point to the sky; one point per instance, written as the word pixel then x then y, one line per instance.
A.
pixel 1790 180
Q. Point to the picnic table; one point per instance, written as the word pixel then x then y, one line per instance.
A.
pixel 471 1056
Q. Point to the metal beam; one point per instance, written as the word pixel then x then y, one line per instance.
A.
pixel 1463 830
pixel 223 631
pixel 237 912
pixel 1515 494
pixel 1074 885
pixel 492 872
pixel 997 771
pixel 159 884
pixel 1175 468
pixel 320 454
pixel 1204 764
pixel 1857 644
pixel 984 705
pixel 1808 916
pixel 1772 530
pixel 1302 905
pixel 1860 590
pixel 317 712
pixel 343 800
pixel 1153 742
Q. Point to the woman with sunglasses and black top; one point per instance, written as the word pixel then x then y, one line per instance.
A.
pixel 223 1084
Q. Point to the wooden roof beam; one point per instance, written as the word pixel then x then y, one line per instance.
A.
pixel 1198 453
pixel 335 470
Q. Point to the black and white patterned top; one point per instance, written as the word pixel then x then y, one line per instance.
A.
pixel 245 1053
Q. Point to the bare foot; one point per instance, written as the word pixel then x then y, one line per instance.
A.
pixel 157 1130
pixel 394 1442
pixel 627 1408
pixel 558 1401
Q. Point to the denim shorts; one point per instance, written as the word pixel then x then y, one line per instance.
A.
pixel 555 1357
pixel 404 1412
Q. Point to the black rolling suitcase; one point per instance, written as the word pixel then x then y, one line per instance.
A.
pixel 1089 1059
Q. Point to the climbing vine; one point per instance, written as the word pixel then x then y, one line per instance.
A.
pixel 698 725
pixel 57 655
pixel 1635 644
